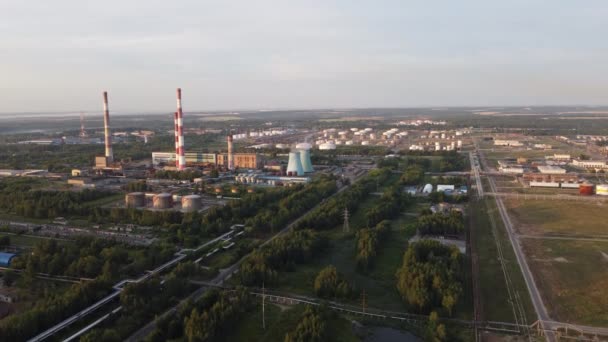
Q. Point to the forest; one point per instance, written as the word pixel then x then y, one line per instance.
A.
pixel 430 278
pixel 281 254
pixel 451 223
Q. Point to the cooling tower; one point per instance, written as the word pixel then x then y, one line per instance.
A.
pixel 305 160
pixel 294 166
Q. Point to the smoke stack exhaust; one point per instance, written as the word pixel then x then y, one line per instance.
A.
pixel 106 126
pixel 180 156
pixel 230 156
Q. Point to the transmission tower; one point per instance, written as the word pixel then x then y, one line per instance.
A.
pixel 346 225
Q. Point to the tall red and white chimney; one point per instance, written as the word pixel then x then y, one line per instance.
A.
pixel 176 115
pixel 230 156
pixel 106 126
pixel 181 158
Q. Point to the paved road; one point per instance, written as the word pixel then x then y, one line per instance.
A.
pixel 571 238
pixel 537 302
pixel 224 274
pixel 548 324
pixel 532 196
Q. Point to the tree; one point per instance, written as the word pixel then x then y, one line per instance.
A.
pixel 329 283
pixel 5 241
pixel 430 276
pixel 311 327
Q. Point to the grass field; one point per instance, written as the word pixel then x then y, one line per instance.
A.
pixel 494 294
pixel 558 217
pixel 573 278
pixel 280 321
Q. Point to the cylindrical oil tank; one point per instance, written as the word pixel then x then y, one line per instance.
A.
pixel 585 189
pixel 218 190
pixel 234 190
pixel 191 203
pixel 163 201
pixel 602 189
pixel 250 190
pixel 135 199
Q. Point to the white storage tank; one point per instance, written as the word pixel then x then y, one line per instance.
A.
pixel 135 199
pixel 191 203
pixel 162 201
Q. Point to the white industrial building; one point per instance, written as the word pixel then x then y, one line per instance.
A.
pixel 550 169
pixel 444 187
pixel 507 143
pixel 590 164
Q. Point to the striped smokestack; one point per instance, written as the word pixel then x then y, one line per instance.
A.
pixel 181 158
pixel 230 157
pixel 106 125
pixel 176 116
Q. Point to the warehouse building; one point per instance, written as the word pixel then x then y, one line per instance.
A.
pixel 200 159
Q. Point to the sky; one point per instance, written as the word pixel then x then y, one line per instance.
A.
pixel 229 55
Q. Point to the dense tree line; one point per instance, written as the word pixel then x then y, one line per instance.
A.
pixel 311 327
pixel 390 205
pixel 440 224
pixel 90 258
pixel 331 212
pixel 430 277
pixel 187 175
pixel 441 161
pixel 142 301
pixel 14 198
pixel 204 320
pixel 330 284
pixel 271 218
pixel 137 186
pixel 369 241
pixel 54 308
pixel 281 254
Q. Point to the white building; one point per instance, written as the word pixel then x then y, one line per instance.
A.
pixel 550 169
pixel 590 164
pixel 507 143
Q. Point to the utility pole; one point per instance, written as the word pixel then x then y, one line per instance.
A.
pixel 346 225
pixel 263 307
pixel 363 301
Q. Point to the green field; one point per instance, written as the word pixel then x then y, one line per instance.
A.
pixel 279 321
pixel 573 278
pixel 558 217
pixel 494 294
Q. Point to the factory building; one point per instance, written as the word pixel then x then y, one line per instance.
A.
pixel 240 160
pixel 549 169
pixel 507 143
pixel 590 164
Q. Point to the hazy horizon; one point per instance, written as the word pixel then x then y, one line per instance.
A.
pixel 272 55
